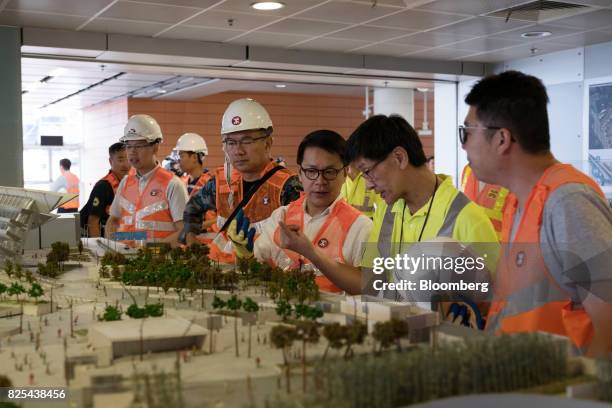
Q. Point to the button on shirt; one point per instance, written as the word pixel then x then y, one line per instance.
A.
pixel 266 249
pixel 175 192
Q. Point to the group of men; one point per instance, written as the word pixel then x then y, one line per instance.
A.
pixel 374 196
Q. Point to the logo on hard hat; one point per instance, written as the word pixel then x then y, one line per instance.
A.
pixel 266 200
pixel 155 193
pixel 236 120
pixel 323 243
pixel 132 131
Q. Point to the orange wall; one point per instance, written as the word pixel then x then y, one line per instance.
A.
pixel 293 115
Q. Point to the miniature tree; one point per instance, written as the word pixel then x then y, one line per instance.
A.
pixel 15 290
pixel 356 333
pixel 135 312
pixel 29 277
pixel 250 306
pixel 335 334
pixel 18 271
pixel 3 289
pixel 80 247
pixel 282 337
pixel 389 332
pixel 111 313
pixel 235 304
pixel 8 267
pixel 36 291
pixel 283 309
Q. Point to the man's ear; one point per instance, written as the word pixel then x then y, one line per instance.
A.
pixel 504 140
pixel 400 156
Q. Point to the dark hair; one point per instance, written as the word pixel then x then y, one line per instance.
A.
pixel 65 163
pixel 375 138
pixel 115 148
pixel 515 101
pixel 327 140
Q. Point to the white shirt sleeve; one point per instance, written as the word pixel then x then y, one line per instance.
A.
pixel 177 198
pixel 353 244
pixel 265 249
pixel 59 183
pixel 115 208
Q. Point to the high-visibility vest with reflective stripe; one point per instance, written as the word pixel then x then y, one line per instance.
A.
pixel 114 182
pixel 357 195
pixel 490 197
pixel 260 206
pixel 330 238
pixel 149 211
pixel 527 297
pixel 460 201
pixel 72 187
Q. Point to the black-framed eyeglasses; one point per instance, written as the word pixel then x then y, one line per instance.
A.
pixel 368 173
pixel 329 174
pixel 463 135
pixel 247 141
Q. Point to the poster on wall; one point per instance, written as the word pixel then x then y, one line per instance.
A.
pixel 600 133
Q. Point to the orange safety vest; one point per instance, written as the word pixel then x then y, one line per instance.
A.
pixel 203 179
pixel 149 211
pixel 72 182
pixel 330 237
pixel 114 182
pixel 527 298
pixel 491 197
pixel 260 206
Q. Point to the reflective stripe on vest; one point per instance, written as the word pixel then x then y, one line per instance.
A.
pixel 150 210
pixel 330 238
pixel 386 232
pixel 527 297
pixel 72 187
pixel 490 197
pixel 260 206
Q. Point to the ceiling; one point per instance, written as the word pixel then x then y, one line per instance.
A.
pixel 79 84
pixel 459 30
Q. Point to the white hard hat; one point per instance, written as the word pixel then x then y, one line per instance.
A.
pixel 245 114
pixel 142 127
pixel 191 142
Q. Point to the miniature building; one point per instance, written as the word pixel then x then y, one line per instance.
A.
pixel 123 338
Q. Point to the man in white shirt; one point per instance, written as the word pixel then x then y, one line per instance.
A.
pixel 151 200
pixel 322 214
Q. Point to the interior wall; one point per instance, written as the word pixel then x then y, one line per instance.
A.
pixel 102 126
pixel 293 115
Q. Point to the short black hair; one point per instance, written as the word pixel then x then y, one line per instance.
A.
pixel 515 101
pixel 115 148
pixel 375 138
pixel 327 140
pixel 65 163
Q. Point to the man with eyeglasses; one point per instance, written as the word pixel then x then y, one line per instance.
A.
pixel 418 204
pixel 321 214
pixel 150 201
pixel 554 273
pixel 250 179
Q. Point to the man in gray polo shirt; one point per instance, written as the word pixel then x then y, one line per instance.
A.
pixel 554 273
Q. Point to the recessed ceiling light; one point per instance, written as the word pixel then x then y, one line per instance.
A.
pixel 280 85
pixel 536 34
pixel 267 5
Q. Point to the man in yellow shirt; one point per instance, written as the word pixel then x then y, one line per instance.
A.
pixel 418 206
pixel 354 191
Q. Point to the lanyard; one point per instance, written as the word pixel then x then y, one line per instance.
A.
pixel 433 196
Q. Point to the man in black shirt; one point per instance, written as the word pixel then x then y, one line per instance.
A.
pixel 95 213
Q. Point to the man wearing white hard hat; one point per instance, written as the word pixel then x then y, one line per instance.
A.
pixel 190 151
pixel 149 203
pixel 250 179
